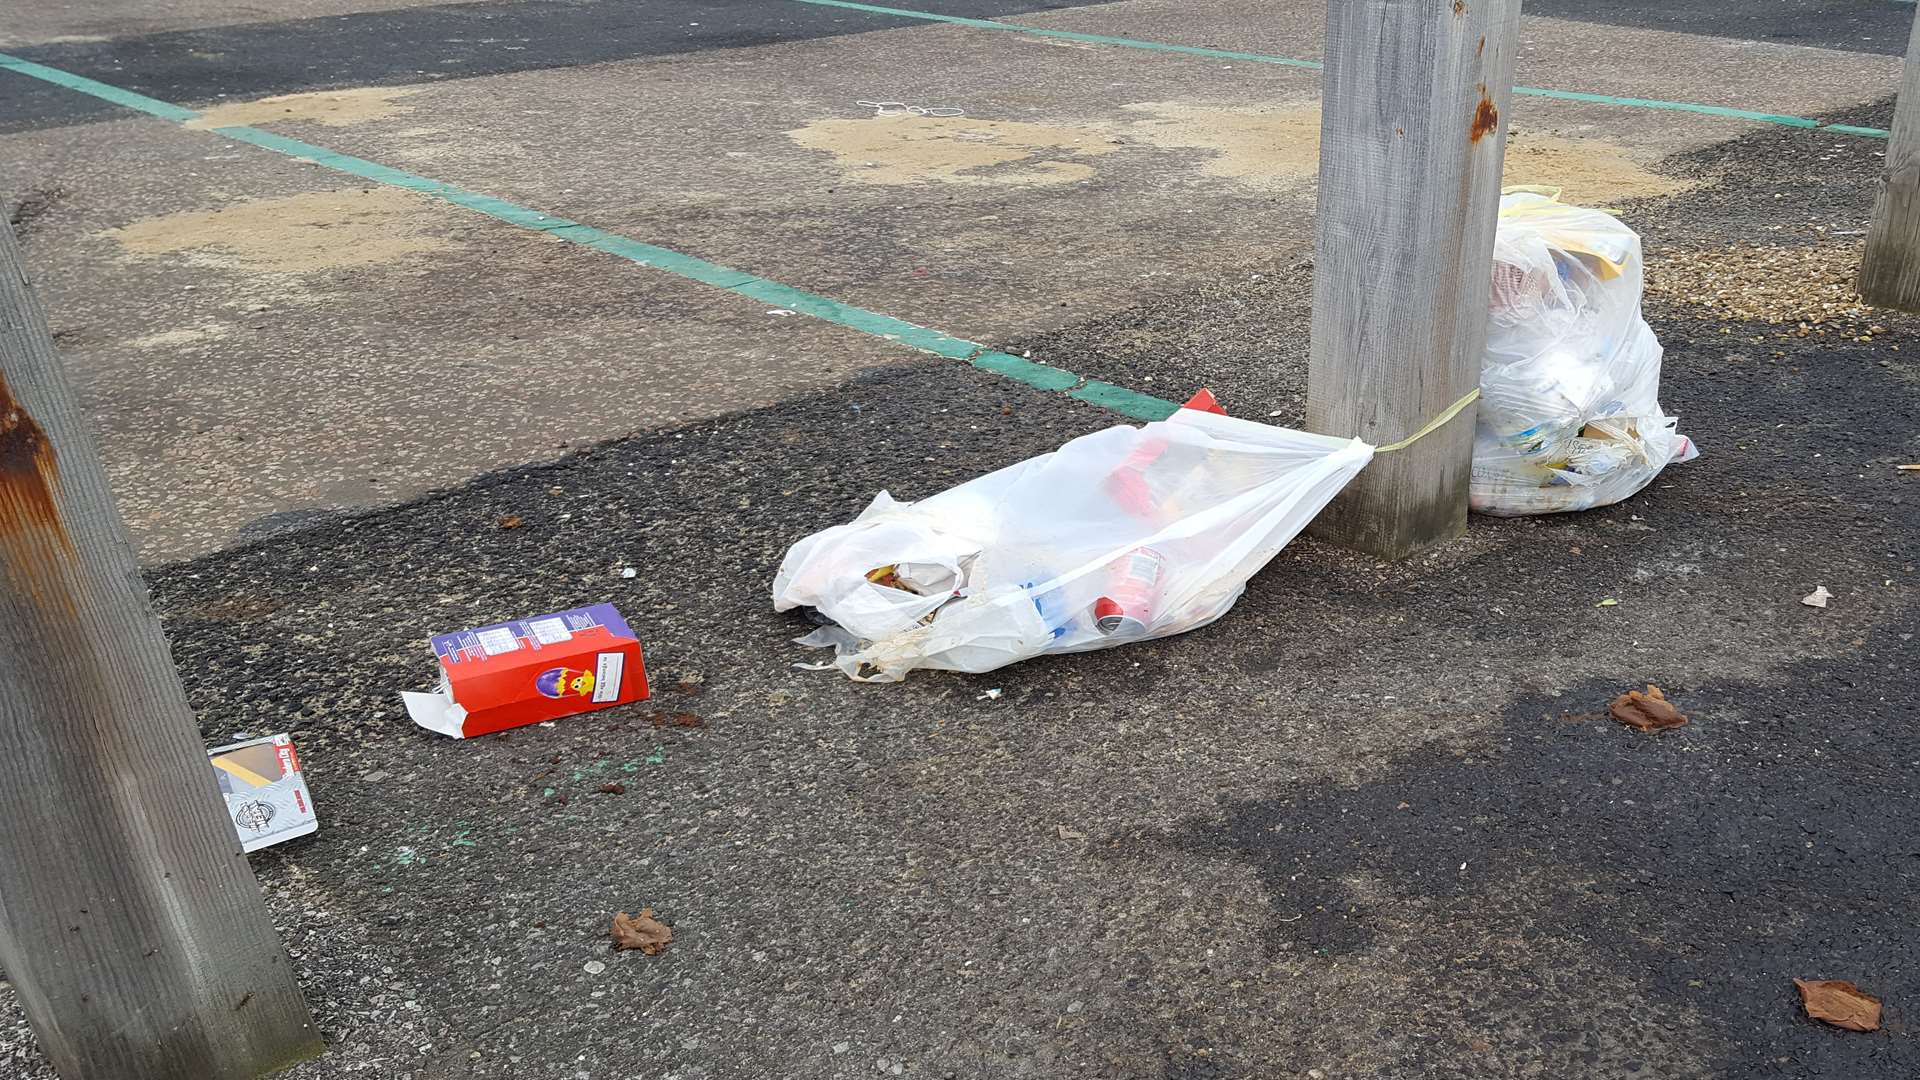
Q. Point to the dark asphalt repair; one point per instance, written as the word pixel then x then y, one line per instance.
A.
pixel 1868 26
pixel 413 45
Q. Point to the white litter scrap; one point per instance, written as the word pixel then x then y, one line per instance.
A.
pixel 1569 414
pixel 1119 536
pixel 901 108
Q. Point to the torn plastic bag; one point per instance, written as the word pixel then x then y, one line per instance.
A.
pixel 1569 413
pixel 1122 535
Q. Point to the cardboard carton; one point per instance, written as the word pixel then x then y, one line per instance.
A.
pixel 267 798
pixel 530 670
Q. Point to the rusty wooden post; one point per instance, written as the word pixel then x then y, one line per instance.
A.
pixel 130 924
pixel 1412 137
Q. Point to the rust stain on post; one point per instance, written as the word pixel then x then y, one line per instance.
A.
pixel 1486 117
pixel 27 469
pixel 34 545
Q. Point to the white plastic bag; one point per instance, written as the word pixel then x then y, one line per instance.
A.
pixel 1569 413
pixel 1147 531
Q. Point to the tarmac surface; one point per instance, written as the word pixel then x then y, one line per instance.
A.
pixel 1373 823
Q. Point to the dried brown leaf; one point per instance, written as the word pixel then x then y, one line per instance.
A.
pixel 1840 1003
pixel 642 931
pixel 613 789
pixel 1646 712
pixel 512 521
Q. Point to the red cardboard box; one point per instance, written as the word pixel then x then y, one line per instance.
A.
pixel 530 670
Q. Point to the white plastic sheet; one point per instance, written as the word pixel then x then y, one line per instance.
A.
pixel 1157 528
pixel 1569 413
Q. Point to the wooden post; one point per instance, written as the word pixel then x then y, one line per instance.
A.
pixel 1890 270
pixel 1412 137
pixel 130 924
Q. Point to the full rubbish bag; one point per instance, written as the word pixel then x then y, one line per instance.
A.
pixel 1119 536
pixel 1569 414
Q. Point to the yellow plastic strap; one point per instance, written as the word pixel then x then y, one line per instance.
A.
pixel 1532 189
pixel 1433 425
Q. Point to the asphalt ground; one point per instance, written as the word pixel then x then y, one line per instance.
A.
pixel 1370 824
pixel 1877 26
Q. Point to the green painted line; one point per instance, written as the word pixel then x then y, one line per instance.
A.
pixel 1039 376
pixel 1671 106
pixel 827 309
pixel 1068 35
pixel 1849 129
pixel 81 84
pixel 370 170
pixel 1721 111
pixel 1124 401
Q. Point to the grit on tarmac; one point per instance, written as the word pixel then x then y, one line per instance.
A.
pixel 1371 824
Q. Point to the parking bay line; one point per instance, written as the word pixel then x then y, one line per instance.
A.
pixel 1722 111
pixel 1119 399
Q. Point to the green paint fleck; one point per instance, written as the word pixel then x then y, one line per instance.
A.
pixel 1124 401
pixel 659 757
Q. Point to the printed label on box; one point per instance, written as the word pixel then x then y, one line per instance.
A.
pixel 497 640
pixel 606 676
pixel 267 798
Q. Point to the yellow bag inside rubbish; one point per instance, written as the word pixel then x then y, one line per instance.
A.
pixel 1569 413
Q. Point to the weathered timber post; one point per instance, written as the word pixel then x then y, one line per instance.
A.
pixel 1412 137
pixel 1890 270
pixel 130 923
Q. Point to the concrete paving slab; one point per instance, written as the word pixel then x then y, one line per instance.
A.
pixel 260 342
pixel 1597 56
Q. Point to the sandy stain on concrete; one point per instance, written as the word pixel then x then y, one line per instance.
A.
pixel 1260 147
pixel 1280 148
pixel 328 108
pixel 1587 170
pixel 187 335
pixel 297 234
pixel 956 150
pixel 1264 149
